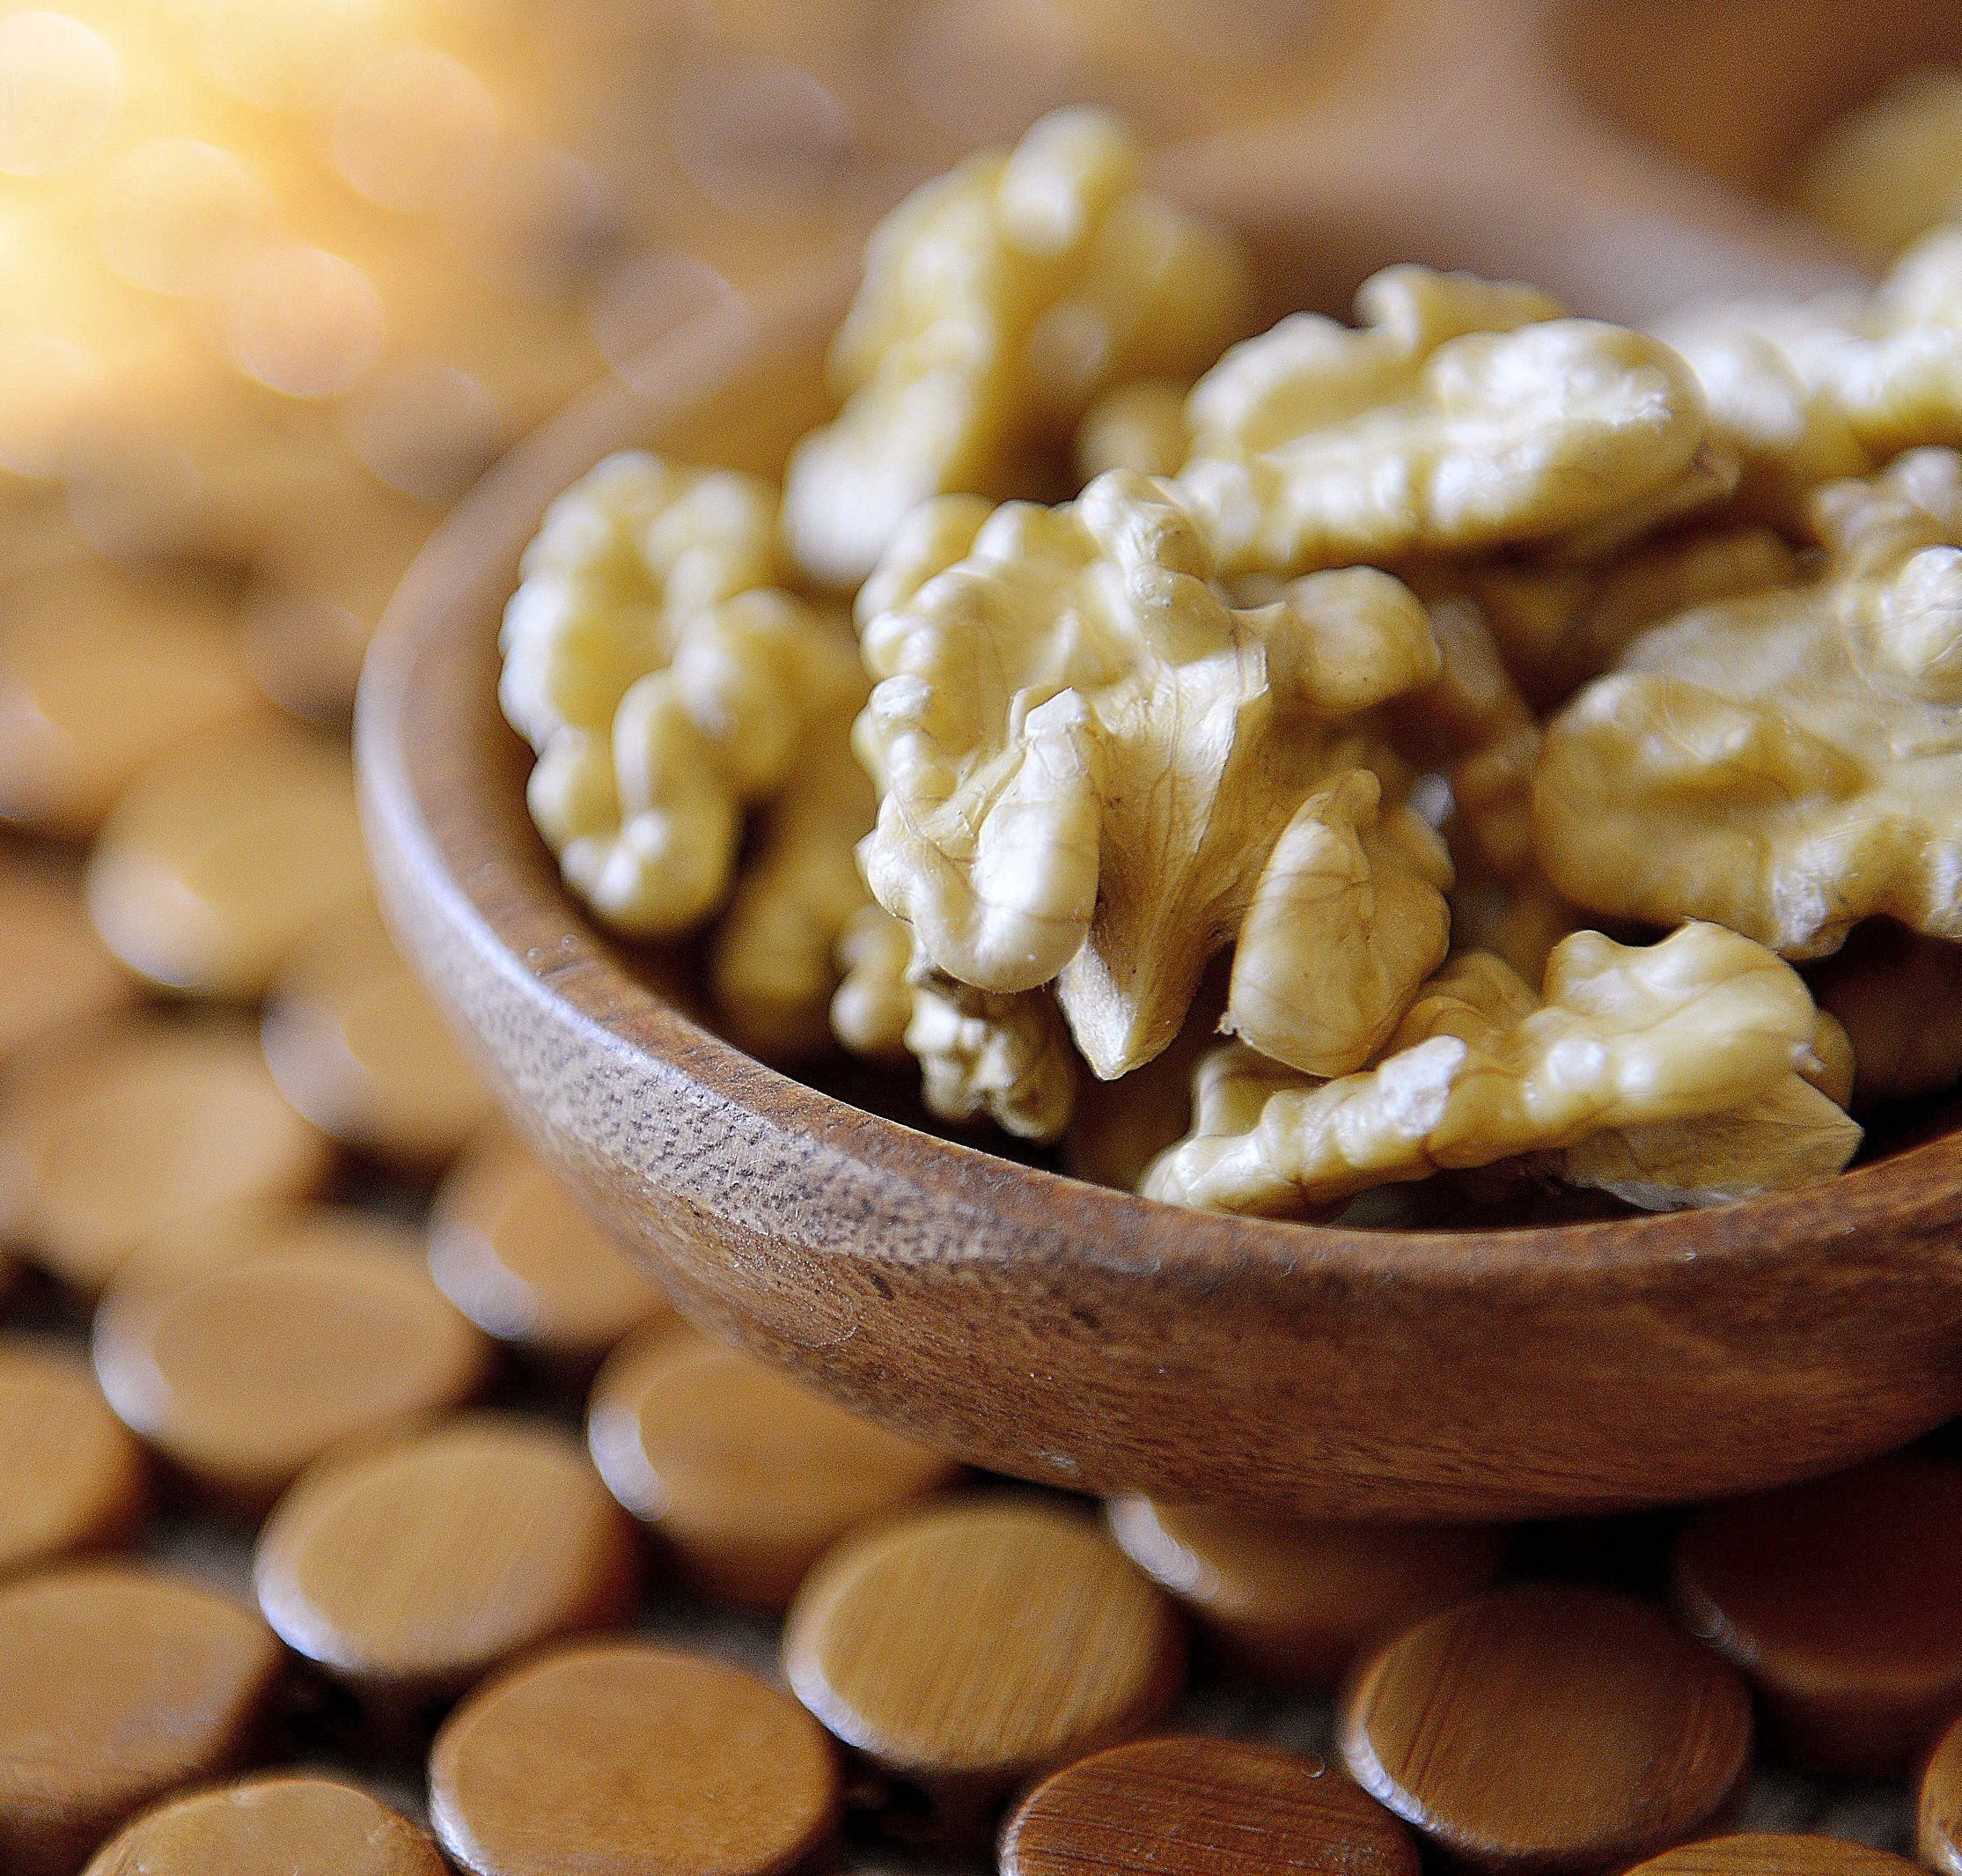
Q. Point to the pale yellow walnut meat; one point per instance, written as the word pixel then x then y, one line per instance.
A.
pixel 1348 920
pixel 1789 762
pixel 1085 755
pixel 997 301
pixel 873 1002
pixel 664 682
pixel 1892 170
pixel 1461 415
pixel 774 962
pixel 1900 997
pixel 1481 1070
pixel 1138 426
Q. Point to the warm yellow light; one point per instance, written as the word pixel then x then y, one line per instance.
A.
pixel 287 54
pixel 425 427
pixel 178 216
pixel 49 385
pixel 60 84
pixel 414 129
pixel 305 321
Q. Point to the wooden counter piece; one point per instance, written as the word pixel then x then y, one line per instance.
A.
pixel 412 1567
pixel 1202 1807
pixel 1940 1810
pixel 284 1824
pixel 1842 1600
pixel 244 1377
pixel 216 1240
pixel 56 970
pixel 122 1129
pixel 1774 1853
pixel 1548 1727
pixel 1292 1602
pixel 971 1645
pixel 71 1477
pixel 623 1759
pixel 117 1685
pixel 748 1475
pixel 357 1046
pixel 225 856
pixel 520 1255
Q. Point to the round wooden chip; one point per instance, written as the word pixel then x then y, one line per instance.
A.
pixel 358 1047
pixel 1293 1601
pixel 1202 1807
pixel 57 970
pixel 243 1377
pixel 71 1478
pixel 282 1825
pixel 1774 1853
pixel 981 1642
pixel 214 1240
pixel 1941 1805
pixel 416 1565
pixel 748 1475
pixel 123 1129
pixel 117 1685
pixel 518 1254
pixel 222 857
pixel 622 1759
pixel 1842 1600
pixel 1548 1726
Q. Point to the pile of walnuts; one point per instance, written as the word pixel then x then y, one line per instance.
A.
pixel 1244 822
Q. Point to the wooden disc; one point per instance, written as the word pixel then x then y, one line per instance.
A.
pixel 1548 1726
pixel 1940 1832
pixel 120 1129
pixel 417 1564
pixel 1774 1853
pixel 117 1685
pixel 748 1475
pixel 222 857
pixel 243 1377
pixel 214 1240
pixel 354 1040
pixel 1202 1807
pixel 99 677
pixel 284 1824
pixel 622 1759
pixel 1292 1602
pixel 981 1642
pixel 520 1255
pixel 1842 1600
pixel 71 1478
pixel 57 970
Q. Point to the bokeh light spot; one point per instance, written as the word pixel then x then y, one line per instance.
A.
pixel 178 216
pixel 60 84
pixel 305 321
pixel 414 129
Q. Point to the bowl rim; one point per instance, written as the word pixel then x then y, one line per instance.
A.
pixel 443 599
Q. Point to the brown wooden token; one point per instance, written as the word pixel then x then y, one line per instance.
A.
pixel 214 1240
pixel 1941 1805
pixel 284 1824
pixel 99 677
pixel 520 1255
pixel 1842 1600
pixel 971 1645
pixel 117 1685
pixel 56 970
pixel 1292 1602
pixel 1774 1853
pixel 622 1759
pixel 354 1040
pixel 244 1377
pixel 1548 1726
pixel 221 859
pixel 120 1129
pixel 413 1566
pixel 748 1475
pixel 71 1478
pixel 1202 1807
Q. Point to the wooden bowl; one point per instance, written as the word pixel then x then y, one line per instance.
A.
pixel 1078 1336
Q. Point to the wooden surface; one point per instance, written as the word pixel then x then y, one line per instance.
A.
pixel 1290 1602
pixel 747 1476
pixel 243 1376
pixel 969 1645
pixel 116 1685
pixel 1939 1821
pixel 1842 1602
pixel 412 1567
pixel 1082 1337
pixel 1775 1853
pixel 1548 1727
pixel 279 1825
pixel 71 1477
pixel 1188 1807
pixel 619 1759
